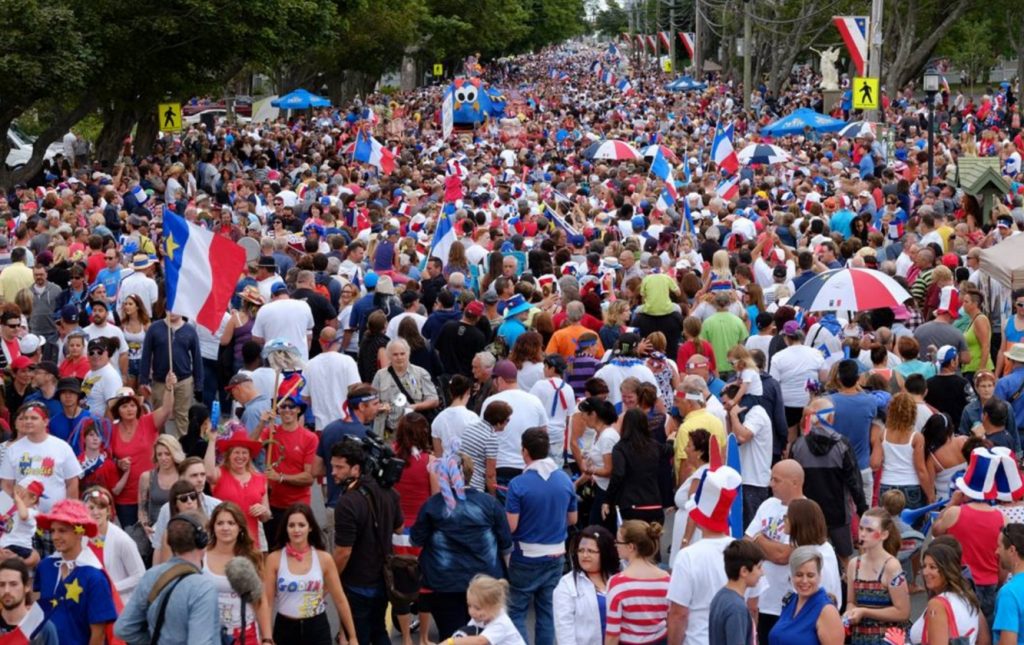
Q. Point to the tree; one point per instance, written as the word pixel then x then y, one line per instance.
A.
pixel 911 31
pixel 612 20
pixel 972 50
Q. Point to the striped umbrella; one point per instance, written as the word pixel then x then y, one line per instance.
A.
pixel 849 290
pixel 765 153
pixel 856 129
pixel 612 150
pixel 650 151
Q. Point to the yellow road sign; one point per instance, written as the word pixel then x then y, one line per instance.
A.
pixel 169 117
pixel 438 69
pixel 865 93
pixel 666 66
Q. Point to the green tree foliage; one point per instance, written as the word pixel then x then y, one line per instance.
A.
pixel 612 20
pixel 972 50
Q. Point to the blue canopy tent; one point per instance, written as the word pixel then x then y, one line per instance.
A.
pixel 685 84
pixel 300 100
pixel 795 122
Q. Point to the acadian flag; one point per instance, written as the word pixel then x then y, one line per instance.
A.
pixel 625 86
pixel 729 188
pixel 27 628
pixel 652 44
pixel 688 215
pixel 369 150
pixel 661 169
pixel 688 38
pixel 558 221
pixel 665 40
pixel 608 78
pixel 201 270
pixel 641 42
pixel 613 50
pixel 722 151
pixel 854 30
pixel 444 234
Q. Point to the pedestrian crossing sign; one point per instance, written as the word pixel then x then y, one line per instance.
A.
pixel 865 93
pixel 438 69
pixel 169 117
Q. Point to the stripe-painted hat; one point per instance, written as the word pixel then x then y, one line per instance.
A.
pixel 979 482
pixel 715 494
pixel 1009 487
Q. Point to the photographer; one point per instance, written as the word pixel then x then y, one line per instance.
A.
pixel 365 516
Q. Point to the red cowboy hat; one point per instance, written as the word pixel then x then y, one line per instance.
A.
pixel 240 439
pixel 69 511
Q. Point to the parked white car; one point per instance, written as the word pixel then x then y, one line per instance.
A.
pixel 21 147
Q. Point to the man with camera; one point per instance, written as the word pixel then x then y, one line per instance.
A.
pixel 171 601
pixel 366 514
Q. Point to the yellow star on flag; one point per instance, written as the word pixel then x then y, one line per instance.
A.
pixel 170 246
pixel 73 590
pixel 53 602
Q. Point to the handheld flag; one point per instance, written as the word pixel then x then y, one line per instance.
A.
pixel 661 169
pixel 369 150
pixel 625 86
pixel 444 234
pixel 558 221
pixel 854 30
pixel 201 270
pixel 722 151
pixel 736 510
pixel 729 188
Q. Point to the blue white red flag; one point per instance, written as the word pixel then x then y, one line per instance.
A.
pixel 854 30
pixel 369 150
pixel 27 628
pixel 688 38
pixel 201 270
pixel 722 151
pixel 444 234
pixel 729 188
pixel 559 222
pixel 625 86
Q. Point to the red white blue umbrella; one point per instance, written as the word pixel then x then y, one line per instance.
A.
pixel 612 150
pixel 650 151
pixel 849 290
pixel 763 153
pixel 856 129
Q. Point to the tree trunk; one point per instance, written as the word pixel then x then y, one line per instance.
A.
pixel 117 124
pixel 59 125
pixel 912 54
pixel 145 134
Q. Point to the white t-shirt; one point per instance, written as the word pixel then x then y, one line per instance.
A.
pixel 18 532
pixel 529 374
pixel 499 631
pixel 99 386
pixel 266 284
pixel 698 571
pixel 51 460
pixel 756 454
pixel 792 367
pixel 392 330
pixel 328 377
pixel 289 319
pixel 760 342
pixel 613 375
pixel 603 446
pixel 344 319
pixel 108 331
pixel 563 403
pixel 449 424
pixel 819 337
pixel 924 412
pixel 770 522
pixel 752 378
pixel 527 412
pixel 141 285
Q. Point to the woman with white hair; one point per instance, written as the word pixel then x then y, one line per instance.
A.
pixel 406 387
pixel 808 616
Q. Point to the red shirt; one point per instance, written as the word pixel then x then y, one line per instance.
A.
pixel 414 487
pixel 689 348
pixel 299 447
pixel 140 449
pixel 94 265
pixel 229 489
pixel 978 534
pixel 77 369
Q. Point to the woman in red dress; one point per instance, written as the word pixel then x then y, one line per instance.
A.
pixel 237 480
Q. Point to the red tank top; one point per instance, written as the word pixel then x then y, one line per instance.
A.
pixel 414 487
pixel 978 535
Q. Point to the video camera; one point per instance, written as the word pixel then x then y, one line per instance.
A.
pixel 381 462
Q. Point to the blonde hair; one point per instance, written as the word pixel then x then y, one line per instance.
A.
pixel 489 592
pixel 740 353
pixel 645 537
pixel 173 446
pixel 720 264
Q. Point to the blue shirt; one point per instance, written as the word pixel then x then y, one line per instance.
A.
pixel 53 406
pixel 510 330
pixel 1007 387
pixel 73 604
pixel 332 434
pixel 361 310
pixel 853 419
pixel 110 279
pixel 1009 608
pixel 543 507
pixel 62 427
pixel 867 167
pixel 840 222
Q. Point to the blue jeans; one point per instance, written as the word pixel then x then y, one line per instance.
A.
pixel 368 614
pixel 534 580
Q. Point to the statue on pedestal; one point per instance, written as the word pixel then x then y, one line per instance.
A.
pixel 829 76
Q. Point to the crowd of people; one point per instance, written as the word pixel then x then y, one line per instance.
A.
pixel 507 374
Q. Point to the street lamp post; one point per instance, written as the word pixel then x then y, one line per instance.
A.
pixel 931 87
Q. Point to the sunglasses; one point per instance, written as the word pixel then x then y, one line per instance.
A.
pixel 1019 304
pixel 17 326
pixel 288 407
pixel 188 497
pixel 97 352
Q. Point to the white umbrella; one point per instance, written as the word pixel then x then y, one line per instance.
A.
pixel 765 153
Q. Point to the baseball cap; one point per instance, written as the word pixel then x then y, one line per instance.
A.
pixel 946 355
pixel 49 367
pixel 556 362
pixel 506 370
pixel 792 329
pixel 279 287
pixel 475 309
pixel 238 379
pixel 20 363
pixel 30 343
pixel 951 260
pixel 67 313
pixel 370 280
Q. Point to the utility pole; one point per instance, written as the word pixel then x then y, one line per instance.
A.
pixel 875 54
pixel 747 87
pixel 672 35
pixel 698 43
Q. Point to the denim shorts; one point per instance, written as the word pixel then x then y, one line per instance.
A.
pixel 913 494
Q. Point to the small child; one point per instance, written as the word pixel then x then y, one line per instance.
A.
pixel 729 621
pixel 894 502
pixel 749 379
pixel 490 624
pixel 20 521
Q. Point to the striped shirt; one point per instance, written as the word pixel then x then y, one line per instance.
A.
pixel 580 369
pixel 637 609
pixel 480 443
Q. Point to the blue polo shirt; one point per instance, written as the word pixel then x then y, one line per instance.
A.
pixel 542 506
pixel 1009 609
pixel 332 434
pixel 854 416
